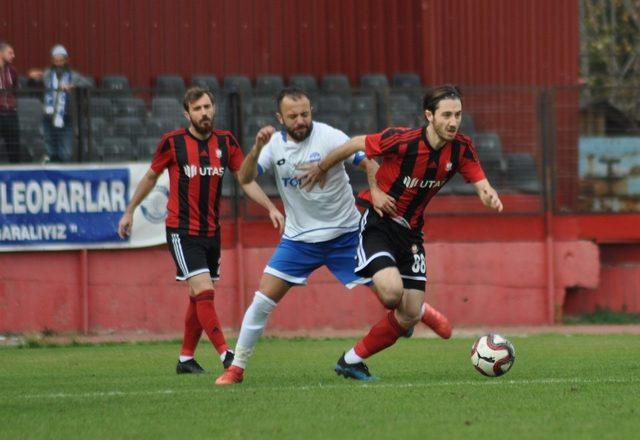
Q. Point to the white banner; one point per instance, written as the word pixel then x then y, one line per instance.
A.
pixel 77 207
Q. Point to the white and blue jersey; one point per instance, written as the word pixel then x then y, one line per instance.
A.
pixel 321 225
pixel 322 213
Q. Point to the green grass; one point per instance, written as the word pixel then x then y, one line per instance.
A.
pixel 603 316
pixel 560 387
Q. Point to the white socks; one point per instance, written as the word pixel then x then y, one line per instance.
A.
pixel 350 357
pixel 253 324
pixel 185 358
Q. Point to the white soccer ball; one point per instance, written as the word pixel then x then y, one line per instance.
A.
pixel 492 355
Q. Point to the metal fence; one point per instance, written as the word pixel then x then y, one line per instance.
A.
pixel 579 148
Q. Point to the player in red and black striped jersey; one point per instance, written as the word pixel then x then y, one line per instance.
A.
pixel 416 163
pixel 197 159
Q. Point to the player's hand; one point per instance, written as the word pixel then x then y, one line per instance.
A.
pixel 277 219
pixel 383 203
pixel 311 174
pixel 490 199
pixel 125 224
pixel 263 136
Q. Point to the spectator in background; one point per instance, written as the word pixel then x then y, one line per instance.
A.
pixel 58 81
pixel 9 128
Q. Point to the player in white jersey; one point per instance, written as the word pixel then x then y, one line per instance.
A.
pixel 321 225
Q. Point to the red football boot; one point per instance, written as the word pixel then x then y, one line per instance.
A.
pixel 436 321
pixel 230 376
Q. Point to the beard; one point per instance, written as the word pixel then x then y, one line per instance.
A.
pixel 443 134
pixel 300 133
pixel 203 127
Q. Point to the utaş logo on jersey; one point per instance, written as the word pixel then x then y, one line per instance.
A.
pixel 412 182
pixel 193 171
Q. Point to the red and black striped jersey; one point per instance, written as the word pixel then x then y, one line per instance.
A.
pixel 196 168
pixel 412 172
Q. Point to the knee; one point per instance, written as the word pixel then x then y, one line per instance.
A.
pixel 390 295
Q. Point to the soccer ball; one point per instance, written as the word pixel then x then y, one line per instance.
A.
pixel 492 355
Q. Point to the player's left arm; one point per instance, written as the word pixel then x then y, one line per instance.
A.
pixel 255 193
pixel 488 195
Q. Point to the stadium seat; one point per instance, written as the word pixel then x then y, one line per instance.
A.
pixel 251 127
pixel 158 126
pixel 170 85
pixel 30 108
pixel 362 124
pixel 166 107
pixel 263 106
pixel 331 104
pixel 402 119
pixel 339 121
pixel 401 103
pixel 363 104
pixel 130 106
pixel 307 83
pixel 522 174
pixel 100 128
pixel 113 149
pixel 209 82
pixel 128 126
pixel 145 147
pixel 407 80
pixel 336 83
pixel 100 107
pixel 268 84
pixel 115 85
pixel 237 83
pixel 374 81
pixel 467 125
pixel 489 146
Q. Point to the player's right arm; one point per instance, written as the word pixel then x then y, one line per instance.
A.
pixel 249 168
pixel 142 191
pixel 315 173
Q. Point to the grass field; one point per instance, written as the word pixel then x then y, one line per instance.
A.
pixel 560 387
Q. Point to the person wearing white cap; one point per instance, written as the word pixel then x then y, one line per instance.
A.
pixel 58 81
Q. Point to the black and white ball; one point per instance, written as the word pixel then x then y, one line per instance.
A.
pixel 492 355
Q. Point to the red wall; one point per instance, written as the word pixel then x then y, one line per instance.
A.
pixel 496 280
pixel 460 41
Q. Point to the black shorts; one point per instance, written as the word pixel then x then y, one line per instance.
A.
pixel 385 243
pixel 194 255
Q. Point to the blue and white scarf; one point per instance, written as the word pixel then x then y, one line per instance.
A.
pixel 55 98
